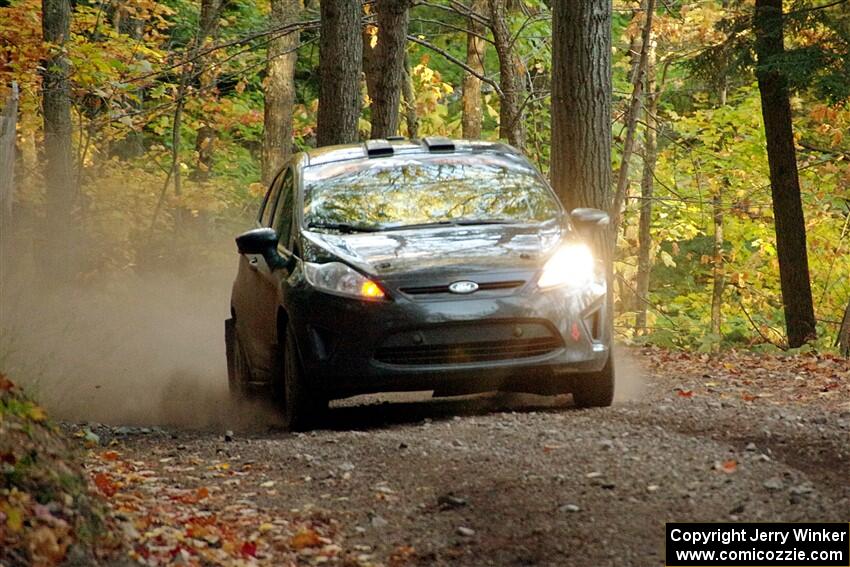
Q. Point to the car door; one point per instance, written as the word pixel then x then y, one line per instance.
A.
pixel 255 294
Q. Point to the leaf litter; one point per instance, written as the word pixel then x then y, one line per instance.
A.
pixel 167 519
pixel 776 379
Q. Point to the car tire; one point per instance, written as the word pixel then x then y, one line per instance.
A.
pixel 595 390
pixel 238 371
pixel 301 408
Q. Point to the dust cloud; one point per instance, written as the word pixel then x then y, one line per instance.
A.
pixel 142 349
pixel 131 350
pixel 631 378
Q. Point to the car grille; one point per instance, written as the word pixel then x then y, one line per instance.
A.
pixel 482 286
pixel 460 353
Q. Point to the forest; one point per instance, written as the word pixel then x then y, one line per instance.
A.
pixel 144 119
pixel 139 137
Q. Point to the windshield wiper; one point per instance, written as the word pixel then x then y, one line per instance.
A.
pixel 344 227
pixel 471 222
pixel 453 222
pixel 417 225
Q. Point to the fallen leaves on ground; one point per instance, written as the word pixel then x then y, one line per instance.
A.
pixel 184 510
pixel 811 379
pixel 46 508
pixel 304 539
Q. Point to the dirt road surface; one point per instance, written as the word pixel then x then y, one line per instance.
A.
pixel 492 480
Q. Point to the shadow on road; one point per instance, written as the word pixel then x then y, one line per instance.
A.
pixel 370 412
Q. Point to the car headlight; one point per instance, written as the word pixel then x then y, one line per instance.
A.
pixel 572 265
pixel 337 278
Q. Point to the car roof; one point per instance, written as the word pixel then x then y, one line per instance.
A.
pixel 401 146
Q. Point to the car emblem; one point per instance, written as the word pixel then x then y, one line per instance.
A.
pixel 463 287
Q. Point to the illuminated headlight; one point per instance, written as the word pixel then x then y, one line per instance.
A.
pixel 572 265
pixel 337 278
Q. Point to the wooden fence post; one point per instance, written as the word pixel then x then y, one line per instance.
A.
pixel 8 134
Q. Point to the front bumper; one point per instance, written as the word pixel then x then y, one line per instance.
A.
pixel 525 341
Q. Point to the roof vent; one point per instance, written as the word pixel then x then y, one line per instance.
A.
pixel 378 148
pixel 396 138
pixel 439 144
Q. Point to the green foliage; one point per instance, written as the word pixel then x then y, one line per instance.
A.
pixel 126 83
pixel 817 55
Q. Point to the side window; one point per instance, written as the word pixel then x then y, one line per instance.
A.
pixel 285 209
pixel 270 202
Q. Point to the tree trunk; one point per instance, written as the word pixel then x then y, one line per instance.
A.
pixel 279 90
pixel 371 65
pixel 581 103
pixel 843 341
pixel 176 138
pixel 340 60
pixel 475 52
pixel 208 79
pixel 632 114
pixel 647 189
pixel 208 17
pixel 132 146
pixel 719 269
pixel 634 49
pixel 719 262
pixel 393 17
pixel 58 150
pixel 511 124
pixel 409 98
pixel 784 180
pixel 581 114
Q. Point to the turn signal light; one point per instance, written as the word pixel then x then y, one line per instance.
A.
pixel 371 289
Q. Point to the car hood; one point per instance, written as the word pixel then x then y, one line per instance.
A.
pixel 470 248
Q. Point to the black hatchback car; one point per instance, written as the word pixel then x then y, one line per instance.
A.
pixel 394 265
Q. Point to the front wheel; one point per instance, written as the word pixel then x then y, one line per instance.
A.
pixel 596 389
pixel 301 407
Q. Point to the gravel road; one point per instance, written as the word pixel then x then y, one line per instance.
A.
pixel 523 480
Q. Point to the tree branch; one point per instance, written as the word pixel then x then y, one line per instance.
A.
pixel 832 151
pixel 276 32
pixel 757 330
pixel 815 8
pixel 456 61
pixel 632 116
pixel 454 27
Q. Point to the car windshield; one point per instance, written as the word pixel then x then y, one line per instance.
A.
pixel 403 191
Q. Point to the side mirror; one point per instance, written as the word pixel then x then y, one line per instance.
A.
pixel 262 241
pixel 590 220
